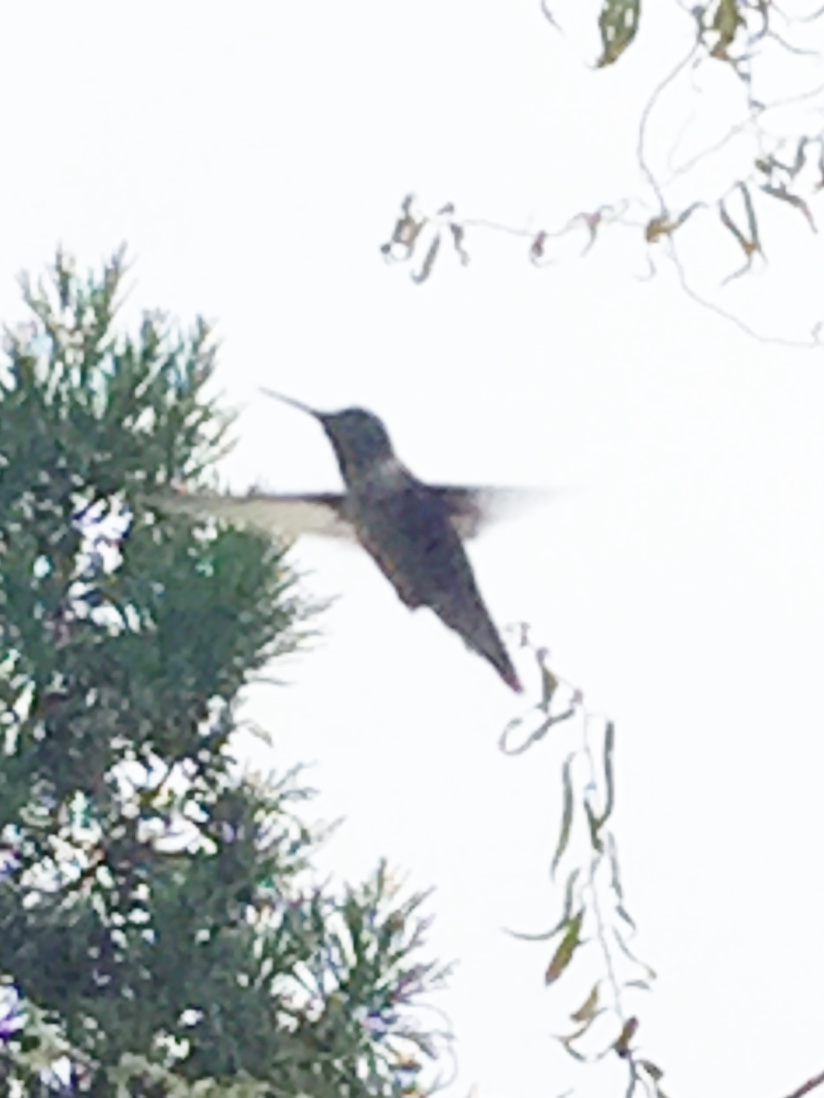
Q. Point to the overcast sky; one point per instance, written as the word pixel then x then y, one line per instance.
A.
pixel 254 163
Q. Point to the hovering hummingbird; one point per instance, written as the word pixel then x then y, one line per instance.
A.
pixel 412 530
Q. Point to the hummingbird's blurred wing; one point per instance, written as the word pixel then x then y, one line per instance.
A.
pixel 276 514
pixel 473 509
pixel 324 513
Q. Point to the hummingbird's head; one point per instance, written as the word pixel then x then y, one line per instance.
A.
pixel 359 439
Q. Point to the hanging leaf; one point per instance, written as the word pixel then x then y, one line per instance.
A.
pixel 536 250
pixel 549 684
pixel 655 1073
pixel 621 1046
pixel 618 888
pixel 624 914
pixel 618 22
pixel 569 895
pixel 751 245
pixel 405 233
pixel 565 951
pixel 752 224
pixel 609 777
pixel 567 1042
pixel 800 157
pixel 596 822
pixel 725 24
pixel 588 1010
pixel 458 234
pixel 566 817
pixel 429 261
pixel 663 225
pixel 795 200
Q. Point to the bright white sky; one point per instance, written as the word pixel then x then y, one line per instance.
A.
pixel 254 163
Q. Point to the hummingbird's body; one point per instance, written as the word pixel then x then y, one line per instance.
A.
pixel 410 529
pixel 406 528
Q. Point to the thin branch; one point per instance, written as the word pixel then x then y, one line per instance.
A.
pixel 642 129
pixel 816 1080
pixel 800 18
pixel 814 341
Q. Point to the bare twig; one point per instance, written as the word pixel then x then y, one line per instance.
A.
pixel 811 1084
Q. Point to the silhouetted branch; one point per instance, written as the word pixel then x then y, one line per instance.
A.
pixel 805 1088
pixel 785 163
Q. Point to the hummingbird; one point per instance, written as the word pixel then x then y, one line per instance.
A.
pixel 412 530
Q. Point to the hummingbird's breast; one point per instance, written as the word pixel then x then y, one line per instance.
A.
pixel 405 528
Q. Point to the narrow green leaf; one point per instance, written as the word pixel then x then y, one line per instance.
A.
pixel 429 261
pixel 726 23
pixel 751 219
pixel 566 816
pixel 655 1073
pixel 564 952
pixel 783 195
pixel 549 684
pixel 612 851
pixel 570 1038
pixel 589 1008
pixel 628 1031
pixel 609 776
pixel 618 23
pixel 664 225
pixel 594 823
pixel 458 234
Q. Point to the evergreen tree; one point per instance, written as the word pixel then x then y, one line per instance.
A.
pixel 160 930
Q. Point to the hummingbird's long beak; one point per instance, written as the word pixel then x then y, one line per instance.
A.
pixel 294 403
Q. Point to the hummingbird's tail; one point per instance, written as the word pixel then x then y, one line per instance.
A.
pixel 503 665
pixel 510 677
pixel 475 626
